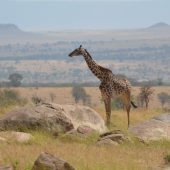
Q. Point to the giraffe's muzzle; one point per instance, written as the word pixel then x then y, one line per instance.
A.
pixel 70 55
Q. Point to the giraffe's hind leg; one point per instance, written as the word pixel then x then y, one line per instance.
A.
pixel 128 107
pixel 107 102
pixel 127 104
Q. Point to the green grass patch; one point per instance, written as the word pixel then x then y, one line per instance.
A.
pixel 79 138
pixel 167 159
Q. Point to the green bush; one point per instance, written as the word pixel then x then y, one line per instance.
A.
pixel 36 99
pixel 167 159
pixel 79 94
pixel 10 97
pixel 116 103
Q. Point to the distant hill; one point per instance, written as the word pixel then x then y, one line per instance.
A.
pixel 160 25
pixel 9 29
pixel 142 54
pixel 11 34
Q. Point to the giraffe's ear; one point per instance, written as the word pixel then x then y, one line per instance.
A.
pixel 80 46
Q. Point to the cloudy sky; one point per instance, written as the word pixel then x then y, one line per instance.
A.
pixel 84 14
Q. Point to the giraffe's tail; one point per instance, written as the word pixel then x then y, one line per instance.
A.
pixel 133 104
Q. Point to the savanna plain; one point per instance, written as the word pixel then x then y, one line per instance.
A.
pixel 85 154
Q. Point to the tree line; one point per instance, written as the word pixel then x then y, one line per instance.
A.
pixel 79 94
pixel 142 99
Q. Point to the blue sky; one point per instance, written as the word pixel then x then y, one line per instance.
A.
pixel 84 14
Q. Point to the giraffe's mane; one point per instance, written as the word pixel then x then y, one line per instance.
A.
pixel 100 67
pixel 88 53
pixel 104 69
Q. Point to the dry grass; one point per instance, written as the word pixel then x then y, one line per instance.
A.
pixel 85 155
pixel 63 94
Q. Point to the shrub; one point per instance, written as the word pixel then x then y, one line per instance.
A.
pixel 163 98
pixel 167 159
pixel 52 97
pixel 79 94
pixel 36 99
pixel 10 97
pixel 15 79
pixel 116 103
pixel 145 95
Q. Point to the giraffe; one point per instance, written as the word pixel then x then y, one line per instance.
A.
pixel 111 85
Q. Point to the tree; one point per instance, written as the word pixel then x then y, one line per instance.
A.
pixel 116 103
pixel 15 79
pixel 36 99
pixel 52 97
pixel 160 82
pixel 163 98
pixel 79 94
pixel 145 95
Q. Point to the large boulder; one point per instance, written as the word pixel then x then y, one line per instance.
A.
pixel 46 161
pixel 112 138
pixel 52 117
pixel 84 116
pixel 43 117
pixel 154 129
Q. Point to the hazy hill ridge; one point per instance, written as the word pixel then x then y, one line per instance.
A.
pixel 142 54
pixel 160 25
pixel 9 29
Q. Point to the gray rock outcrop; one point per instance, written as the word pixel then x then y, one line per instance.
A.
pixel 46 161
pixel 84 116
pixel 37 117
pixel 53 118
pixel 154 129
pixel 112 138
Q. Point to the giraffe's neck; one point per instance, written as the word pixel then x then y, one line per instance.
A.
pixel 93 66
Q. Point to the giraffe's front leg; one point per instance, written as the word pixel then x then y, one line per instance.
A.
pixel 107 102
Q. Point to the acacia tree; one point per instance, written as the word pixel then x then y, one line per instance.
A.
pixel 79 94
pixel 52 97
pixel 15 79
pixel 145 95
pixel 163 98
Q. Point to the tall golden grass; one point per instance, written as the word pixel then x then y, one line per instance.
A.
pixel 85 155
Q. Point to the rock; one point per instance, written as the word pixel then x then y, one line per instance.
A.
pixel 106 142
pixel 83 115
pixel 119 138
pixel 43 117
pixel 81 132
pixel 20 137
pixel 116 136
pixel 53 118
pixel 6 168
pixel 85 130
pixel 154 129
pixel 46 161
pixel 112 138
pixel 111 132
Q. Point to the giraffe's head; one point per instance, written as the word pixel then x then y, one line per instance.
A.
pixel 77 52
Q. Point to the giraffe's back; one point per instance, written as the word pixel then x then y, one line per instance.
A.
pixel 120 86
pixel 116 86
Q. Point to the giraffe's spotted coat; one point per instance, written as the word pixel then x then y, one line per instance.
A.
pixel 110 86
